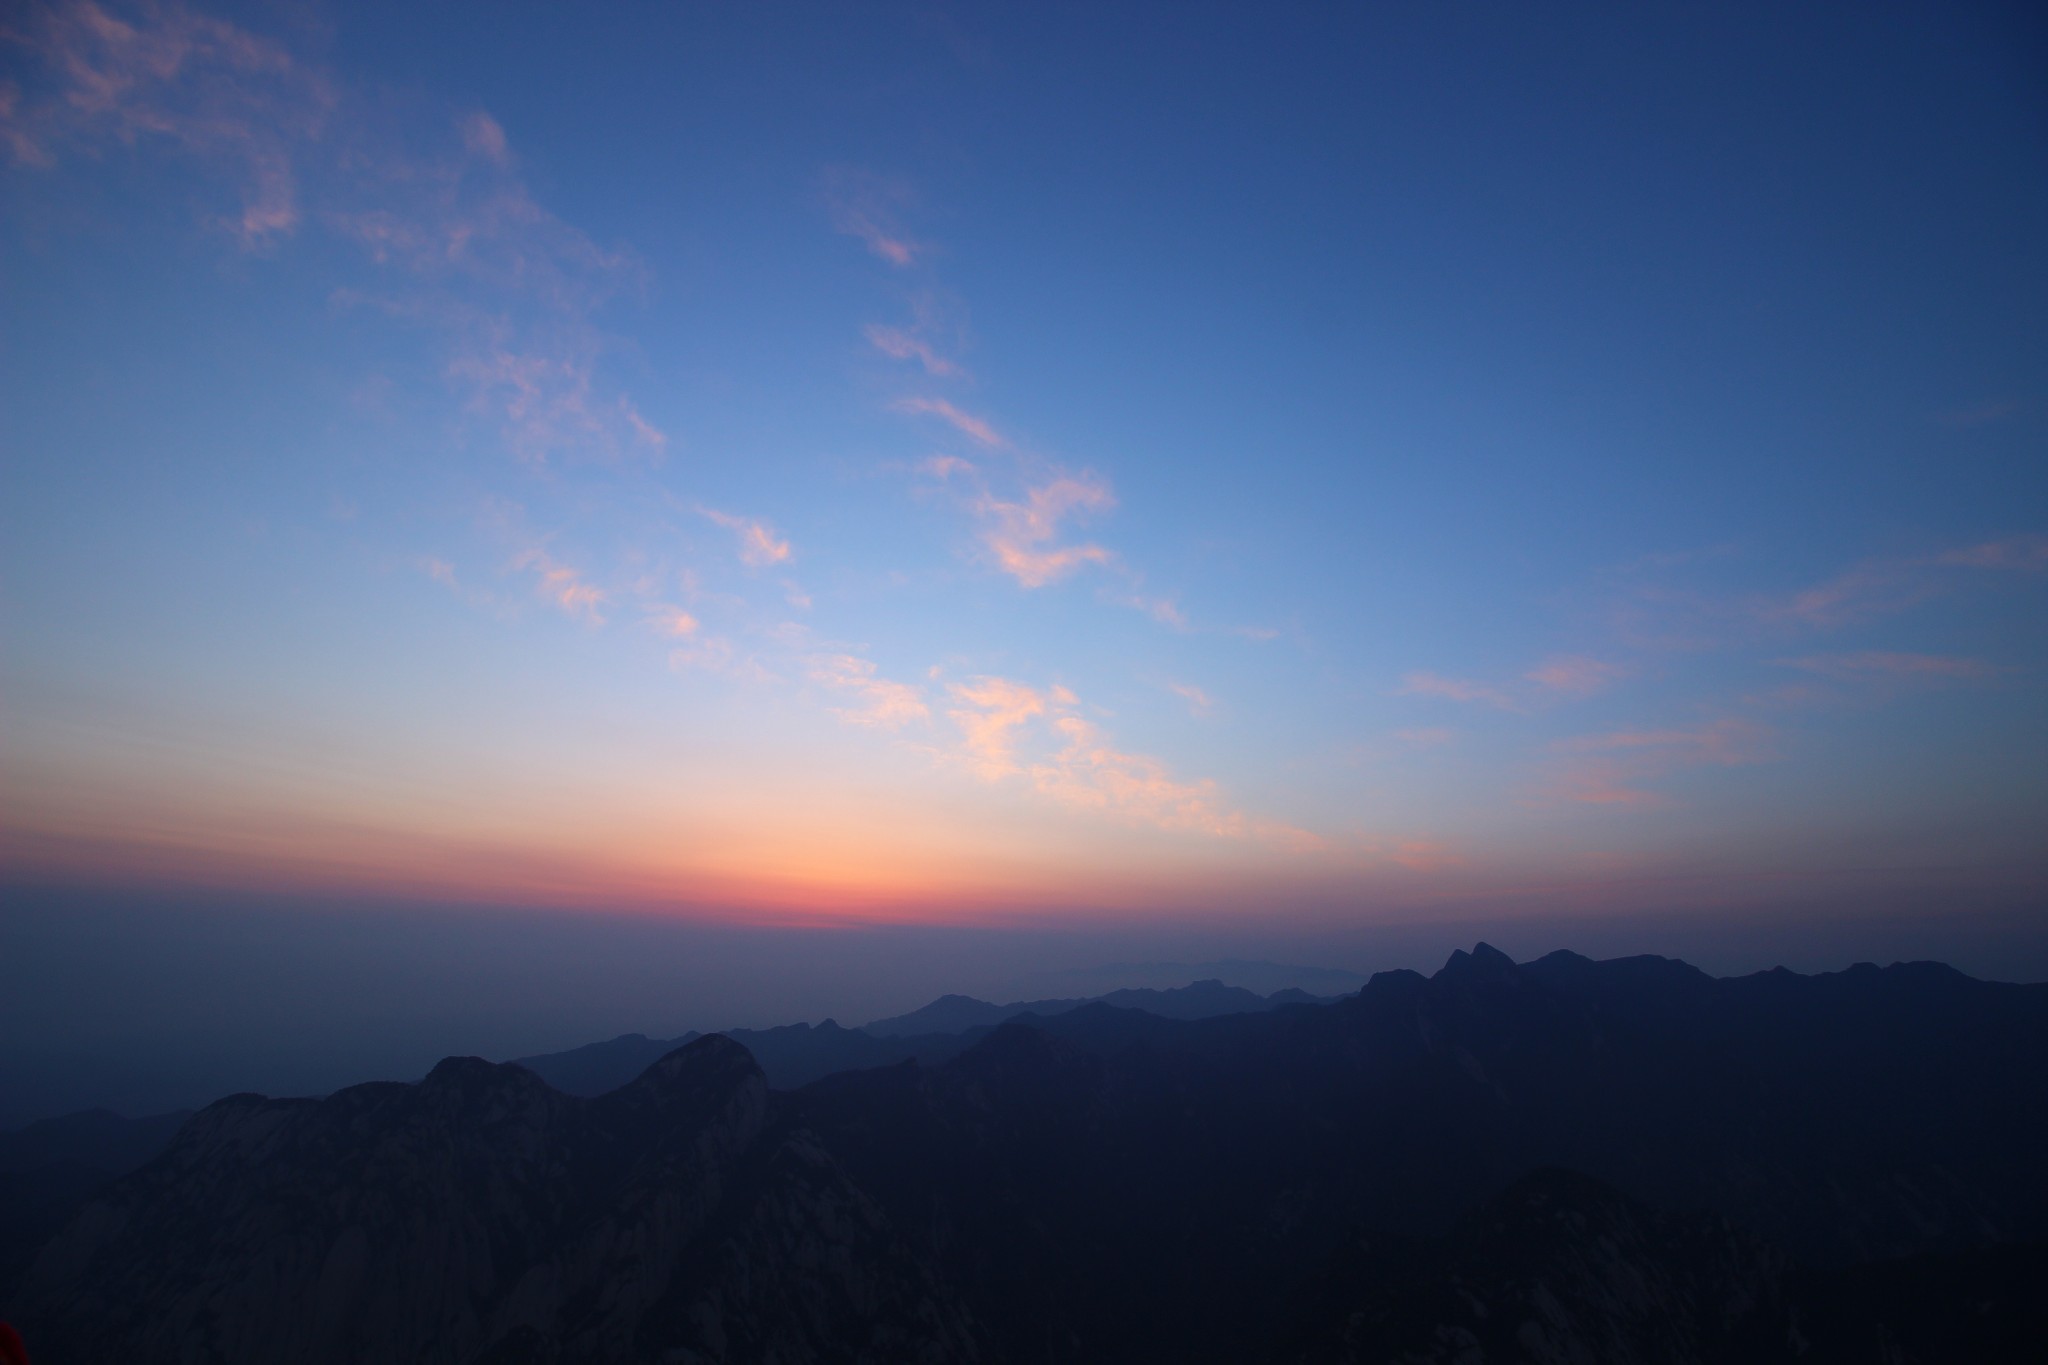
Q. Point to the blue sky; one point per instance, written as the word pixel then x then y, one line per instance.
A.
pixel 830 464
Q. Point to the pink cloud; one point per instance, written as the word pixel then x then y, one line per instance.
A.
pixel 1021 534
pixel 1077 766
pixel 1615 768
pixel 946 466
pixel 562 585
pixel 1164 610
pixel 863 206
pixel 234 102
pixel 2027 553
pixel 884 704
pixel 1575 674
pixel 990 713
pixel 1880 664
pixel 483 136
pixel 670 620
pixel 1455 689
pixel 898 344
pixel 1200 703
pixel 759 546
pixel 966 423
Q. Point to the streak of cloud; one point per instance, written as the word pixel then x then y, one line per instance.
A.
pixel 1023 536
pixel 511 286
pixel 1455 689
pixel 564 586
pixel 898 344
pixel 1575 674
pixel 884 704
pixel 864 206
pixel 238 104
pixel 1075 764
pixel 1617 768
pixel 966 423
pixel 759 545
pixel 1200 703
pixel 668 620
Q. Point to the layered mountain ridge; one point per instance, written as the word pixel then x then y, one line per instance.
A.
pixel 1558 1160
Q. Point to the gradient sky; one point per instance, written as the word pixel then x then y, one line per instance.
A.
pixel 1027 464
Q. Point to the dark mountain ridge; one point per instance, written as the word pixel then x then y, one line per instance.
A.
pixel 1563 1160
pixel 794 1055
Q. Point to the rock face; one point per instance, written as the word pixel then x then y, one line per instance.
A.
pixel 1563 1160
pixel 481 1216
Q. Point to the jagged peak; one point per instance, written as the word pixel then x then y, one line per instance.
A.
pixel 1484 961
pixel 451 1071
pixel 696 1061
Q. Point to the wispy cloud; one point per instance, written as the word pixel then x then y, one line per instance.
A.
pixel 564 586
pixel 990 712
pixel 1075 764
pixel 236 103
pixel 1455 689
pixel 1617 768
pixel 1653 613
pixel 759 545
pixel 966 423
pixel 884 704
pixel 1575 674
pixel 946 466
pixel 717 654
pixel 668 620
pixel 468 250
pixel 898 344
pixel 865 206
pixel 1164 610
pixel 1879 663
pixel 2028 554
pixel 1200 703
pixel 1023 536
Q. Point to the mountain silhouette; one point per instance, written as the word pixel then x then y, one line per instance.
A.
pixel 1561 1160
pixel 1200 1000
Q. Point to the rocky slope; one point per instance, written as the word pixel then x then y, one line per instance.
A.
pixel 1561 1160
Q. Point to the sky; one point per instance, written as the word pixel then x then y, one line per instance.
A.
pixel 1265 475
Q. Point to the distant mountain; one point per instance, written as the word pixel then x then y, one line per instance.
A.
pixel 790 1056
pixel 49 1167
pixel 794 1055
pixel 1566 1160
pixel 1201 1000
pixel 1257 976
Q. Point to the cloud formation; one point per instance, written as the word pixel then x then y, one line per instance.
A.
pixel 1575 674
pixel 966 423
pixel 1882 664
pixel 1455 689
pixel 1073 763
pixel 883 704
pixel 1200 703
pixel 990 712
pixel 565 587
pixel 1615 768
pixel 668 620
pixel 237 104
pixel 864 206
pixel 759 545
pixel 1023 536
pixel 464 247
pixel 898 344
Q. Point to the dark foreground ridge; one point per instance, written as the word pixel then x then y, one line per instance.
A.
pixel 1559 1161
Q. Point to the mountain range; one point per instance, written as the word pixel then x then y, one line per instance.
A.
pixel 796 1054
pixel 1560 1160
